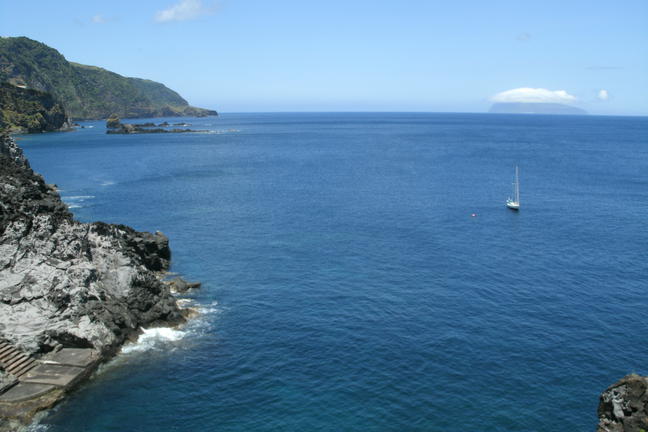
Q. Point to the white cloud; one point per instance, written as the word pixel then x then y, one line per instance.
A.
pixel 603 95
pixel 523 37
pixel 531 95
pixel 182 11
pixel 98 19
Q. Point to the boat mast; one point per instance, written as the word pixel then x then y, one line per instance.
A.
pixel 517 185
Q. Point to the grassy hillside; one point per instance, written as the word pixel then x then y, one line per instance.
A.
pixel 87 92
pixel 158 93
pixel 28 110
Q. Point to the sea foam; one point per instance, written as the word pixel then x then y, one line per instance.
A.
pixel 78 197
pixel 153 338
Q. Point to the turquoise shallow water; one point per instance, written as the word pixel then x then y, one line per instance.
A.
pixel 346 286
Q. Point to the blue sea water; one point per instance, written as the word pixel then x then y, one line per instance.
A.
pixel 346 284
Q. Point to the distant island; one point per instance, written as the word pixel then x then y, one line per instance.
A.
pixel 87 92
pixel 534 108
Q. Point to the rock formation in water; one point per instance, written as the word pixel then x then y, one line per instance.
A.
pixel 623 407
pixel 72 284
pixel 66 284
pixel 115 126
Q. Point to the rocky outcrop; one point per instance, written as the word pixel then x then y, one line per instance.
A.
pixel 28 111
pixel 115 126
pixel 69 284
pixel 180 285
pixel 623 407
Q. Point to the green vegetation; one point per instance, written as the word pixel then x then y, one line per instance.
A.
pixel 28 110
pixel 87 92
pixel 113 122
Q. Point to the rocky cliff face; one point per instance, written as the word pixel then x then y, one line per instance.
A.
pixel 88 92
pixel 623 407
pixel 28 110
pixel 69 284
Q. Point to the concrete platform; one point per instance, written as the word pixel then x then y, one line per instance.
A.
pixel 80 357
pixel 58 375
pixel 25 391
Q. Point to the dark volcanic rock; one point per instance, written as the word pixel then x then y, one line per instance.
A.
pixel 623 407
pixel 180 285
pixel 69 284
pixel 113 122
pixel 114 126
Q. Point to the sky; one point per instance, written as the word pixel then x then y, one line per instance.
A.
pixel 359 55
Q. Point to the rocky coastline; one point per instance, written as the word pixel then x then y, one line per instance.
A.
pixel 623 407
pixel 71 293
pixel 30 111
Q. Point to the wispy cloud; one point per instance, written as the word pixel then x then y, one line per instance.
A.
pixel 531 95
pixel 603 95
pixel 597 68
pixel 523 37
pixel 102 19
pixel 184 10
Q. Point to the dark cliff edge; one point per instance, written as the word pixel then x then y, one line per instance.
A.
pixel 623 407
pixel 68 287
pixel 29 111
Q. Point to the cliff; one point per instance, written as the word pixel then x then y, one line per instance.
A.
pixel 623 407
pixel 28 110
pixel 70 285
pixel 87 92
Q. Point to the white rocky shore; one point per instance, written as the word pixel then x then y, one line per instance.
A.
pixel 71 293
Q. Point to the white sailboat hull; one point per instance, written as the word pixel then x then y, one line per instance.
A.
pixel 513 205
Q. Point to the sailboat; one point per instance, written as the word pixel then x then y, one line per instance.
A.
pixel 514 203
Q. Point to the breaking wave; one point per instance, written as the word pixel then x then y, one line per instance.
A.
pixel 76 201
pixel 154 338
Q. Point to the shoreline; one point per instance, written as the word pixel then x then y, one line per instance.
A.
pixel 72 294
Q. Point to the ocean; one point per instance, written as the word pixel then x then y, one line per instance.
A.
pixel 361 271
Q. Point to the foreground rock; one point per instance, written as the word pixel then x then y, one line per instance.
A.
pixel 180 285
pixel 66 284
pixel 623 407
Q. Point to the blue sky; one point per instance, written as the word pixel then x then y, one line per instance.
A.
pixel 358 55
